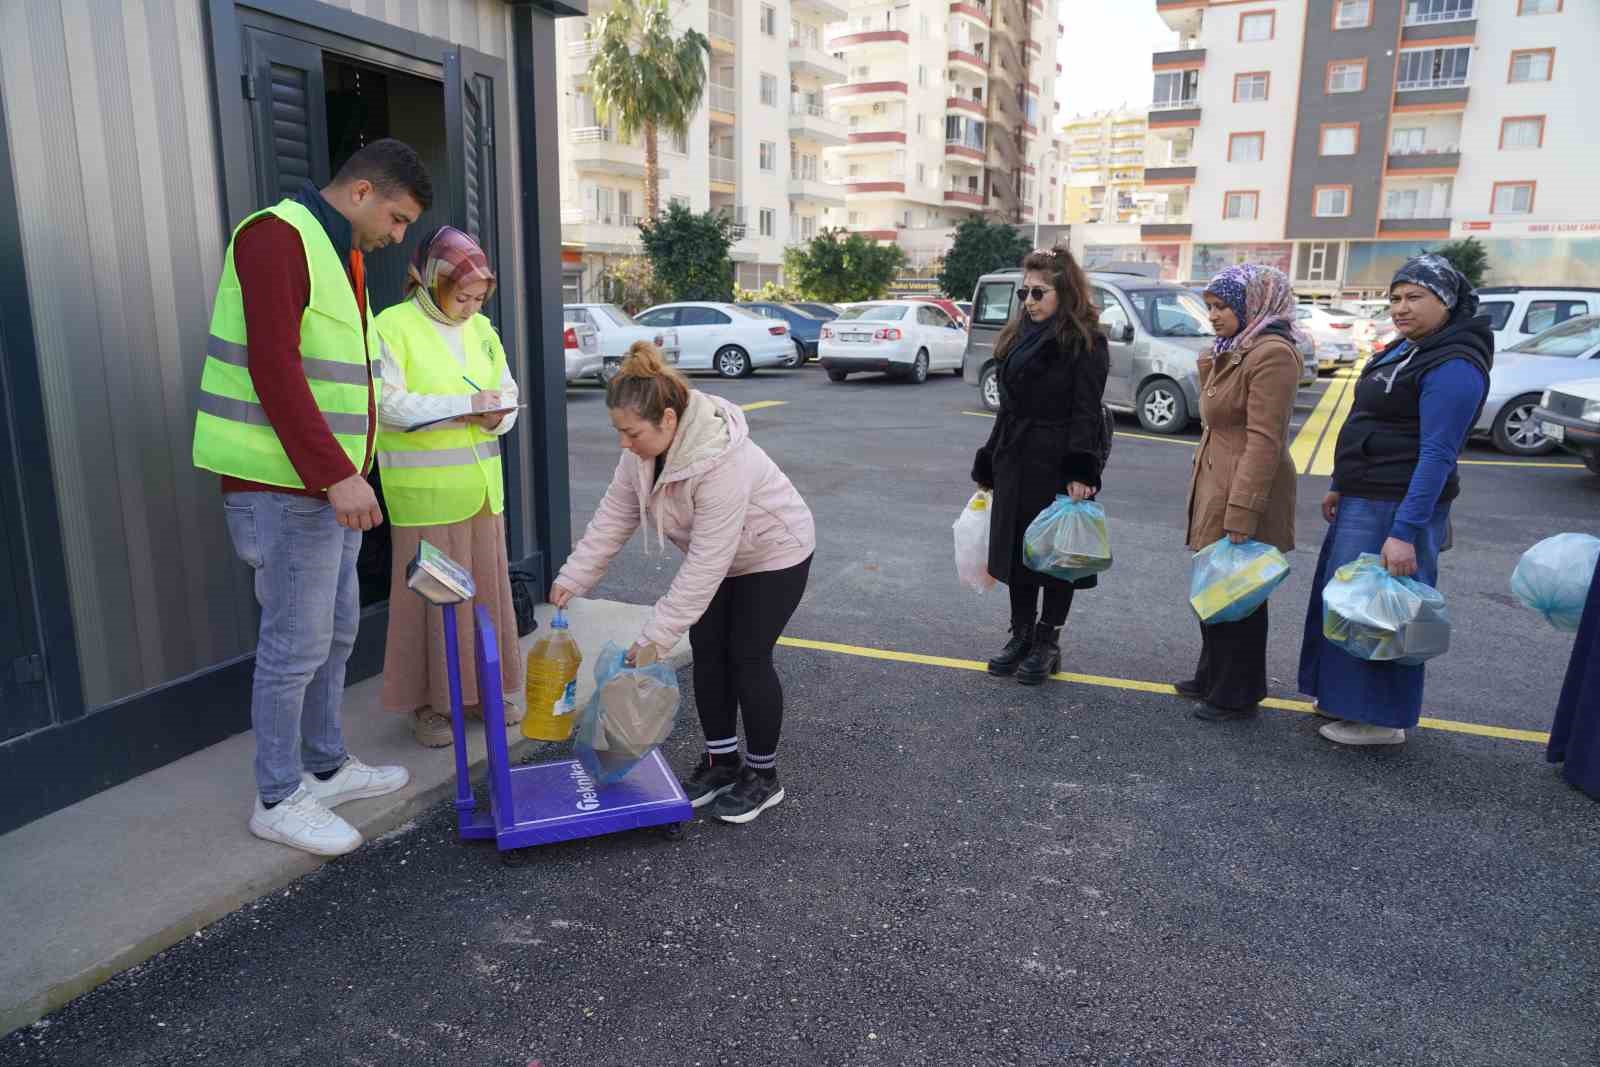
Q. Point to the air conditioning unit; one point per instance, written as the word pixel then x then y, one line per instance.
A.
pixel 877 109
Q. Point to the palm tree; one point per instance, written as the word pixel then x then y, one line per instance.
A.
pixel 648 79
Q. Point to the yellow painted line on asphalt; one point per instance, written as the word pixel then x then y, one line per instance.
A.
pixel 1304 447
pixel 1323 463
pixel 757 405
pixel 1120 433
pixel 1519 463
pixel 1504 733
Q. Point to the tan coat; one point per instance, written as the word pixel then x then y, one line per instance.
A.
pixel 1244 480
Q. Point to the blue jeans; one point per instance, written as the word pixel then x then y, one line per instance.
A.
pixel 305 569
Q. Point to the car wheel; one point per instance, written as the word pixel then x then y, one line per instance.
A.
pixel 989 387
pixel 796 360
pixel 919 369
pixel 1162 407
pixel 732 362
pixel 1516 432
pixel 1592 461
pixel 838 375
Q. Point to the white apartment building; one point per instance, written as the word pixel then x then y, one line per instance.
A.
pixel 1333 138
pixel 754 149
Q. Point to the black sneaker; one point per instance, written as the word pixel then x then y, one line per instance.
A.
pixel 752 795
pixel 709 781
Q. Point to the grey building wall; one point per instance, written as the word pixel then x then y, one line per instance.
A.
pixel 116 165
pixel 1370 109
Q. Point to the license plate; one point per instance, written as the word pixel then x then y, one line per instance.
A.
pixel 856 337
pixel 670 355
pixel 1554 431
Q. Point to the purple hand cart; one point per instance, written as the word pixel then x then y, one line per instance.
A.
pixel 541 803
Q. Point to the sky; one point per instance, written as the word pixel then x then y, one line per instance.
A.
pixel 1105 54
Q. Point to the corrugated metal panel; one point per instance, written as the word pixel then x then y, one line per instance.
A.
pixel 111 130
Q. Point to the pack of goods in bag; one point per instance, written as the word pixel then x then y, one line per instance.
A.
pixel 1228 582
pixel 1068 540
pixel 1375 616
pixel 631 712
pixel 1553 577
pixel 972 542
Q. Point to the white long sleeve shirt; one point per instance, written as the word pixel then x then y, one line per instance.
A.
pixel 399 408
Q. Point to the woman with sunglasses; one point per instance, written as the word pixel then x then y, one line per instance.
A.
pixel 1048 439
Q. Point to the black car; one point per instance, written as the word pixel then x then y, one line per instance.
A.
pixel 825 312
pixel 805 328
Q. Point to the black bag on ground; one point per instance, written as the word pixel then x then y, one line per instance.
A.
pixel 524 596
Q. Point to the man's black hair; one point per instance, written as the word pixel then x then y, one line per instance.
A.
pixel 392 167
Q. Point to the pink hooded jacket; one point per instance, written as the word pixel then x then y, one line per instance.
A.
pixel 720 499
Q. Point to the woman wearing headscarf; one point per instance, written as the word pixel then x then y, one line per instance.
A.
pixel 444 366
pixel 1243 485
pixel 1394 477
pixel 1048 439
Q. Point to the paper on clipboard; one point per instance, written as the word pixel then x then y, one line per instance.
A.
pixel 414 427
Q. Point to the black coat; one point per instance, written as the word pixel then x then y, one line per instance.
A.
pixel 1050 431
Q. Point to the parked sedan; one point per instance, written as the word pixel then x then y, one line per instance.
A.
pixel 722 337
pixel 614 330
pixel 580 344
pixel 825 312
pixel 1569 414
pixel 1332 328
pixel 804 329
pixel 1523 372
pixel 906 339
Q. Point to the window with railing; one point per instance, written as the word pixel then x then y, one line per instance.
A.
pixel 965 132
pixel 807 104
pixel 722 24
pixel 1434 68
pixel 1428 12
pixel 722 97
pixel 1175 89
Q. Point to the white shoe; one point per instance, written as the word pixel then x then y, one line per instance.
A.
pixel 355 781
pixel 1322 712
pixel 301 821
pixel 1360 733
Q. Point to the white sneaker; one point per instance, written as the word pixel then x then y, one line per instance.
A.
pixel 302 822
pixel 1360 733
pixel 355 781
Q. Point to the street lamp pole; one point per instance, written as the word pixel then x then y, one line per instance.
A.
pixel 1038 196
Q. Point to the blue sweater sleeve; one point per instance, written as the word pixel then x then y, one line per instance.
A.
pixel 1450 395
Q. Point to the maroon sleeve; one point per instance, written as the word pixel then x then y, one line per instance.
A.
pixel 276 287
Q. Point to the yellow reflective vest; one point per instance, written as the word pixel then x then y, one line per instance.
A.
pixel 232 435
pixel 437 476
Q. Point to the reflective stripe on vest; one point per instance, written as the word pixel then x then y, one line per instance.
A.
pixel 233 435
pixel 445 475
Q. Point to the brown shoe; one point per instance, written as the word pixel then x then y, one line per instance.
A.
pixel 431 729
pixel 514 713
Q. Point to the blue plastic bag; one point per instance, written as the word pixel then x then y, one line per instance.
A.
pixel 1228 582
pixel 1375 616
pixel 1068 540
pixel 630 713
pixel 1553 577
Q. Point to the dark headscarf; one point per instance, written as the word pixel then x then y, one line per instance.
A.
pixel 1434 273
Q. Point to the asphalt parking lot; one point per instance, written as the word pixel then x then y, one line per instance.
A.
pixel 967 871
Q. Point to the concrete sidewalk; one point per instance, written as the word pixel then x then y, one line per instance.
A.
pixel 94 889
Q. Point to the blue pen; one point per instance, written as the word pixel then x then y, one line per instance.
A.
pixel 472 383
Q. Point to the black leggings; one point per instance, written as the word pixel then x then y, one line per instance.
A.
pixel 1025 602
pixel 733 644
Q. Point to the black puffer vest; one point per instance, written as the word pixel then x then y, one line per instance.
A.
pixel 1381 440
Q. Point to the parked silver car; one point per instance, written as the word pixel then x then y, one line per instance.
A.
pixel 1522 372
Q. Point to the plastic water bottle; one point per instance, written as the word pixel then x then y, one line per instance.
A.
pixel 552 689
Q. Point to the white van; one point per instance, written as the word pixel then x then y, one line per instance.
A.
pixel 1517 312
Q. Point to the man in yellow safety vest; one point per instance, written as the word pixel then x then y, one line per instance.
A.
pixel 287 414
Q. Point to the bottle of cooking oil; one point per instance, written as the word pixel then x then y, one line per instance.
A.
pixel 552 690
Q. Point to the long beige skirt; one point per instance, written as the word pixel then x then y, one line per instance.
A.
pixel 413 662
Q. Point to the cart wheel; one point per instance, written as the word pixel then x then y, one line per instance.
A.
pixel 673 831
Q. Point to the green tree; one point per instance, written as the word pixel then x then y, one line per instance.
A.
pixel 647 79
pixel 980 246
pixel 631 284
pixel 1469 257
pixel 835 266
pixel 689 253
pixel 772 293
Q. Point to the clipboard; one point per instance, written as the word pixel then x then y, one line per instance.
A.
pixel 414 427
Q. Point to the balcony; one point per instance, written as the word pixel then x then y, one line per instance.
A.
pixel 868 92
pixel 965 107
pixel 1434 12
pixel 609 219
pixel 964 197
pixel 810 122
pixel 1431 101
pixel 1172 114
pixel 968 62
pixel 723 29
pixel 1433 162
pixel 1181 59
pixel 875 185
pixel 962 152
pixel 1169 175
pixel 827 10
pixel 875 139
pixel 582 51
pixel 723 98
pixel 813 188
pixel 724 170
pixel 977 12
pixel 850 41
pixel 811 61
pixel 596 148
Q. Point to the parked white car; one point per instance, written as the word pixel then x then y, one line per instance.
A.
pixel 722 337
pixel 1523 372
pixel 615 330
pixel 1518 312
pixel 904 338
pixel 580 344
pixel 1333 329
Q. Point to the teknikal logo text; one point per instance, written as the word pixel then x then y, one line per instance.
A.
pixel 588 799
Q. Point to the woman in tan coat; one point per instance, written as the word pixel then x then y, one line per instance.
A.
pixel 1243 486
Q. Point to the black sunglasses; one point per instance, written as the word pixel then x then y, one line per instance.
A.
pixel 1037 292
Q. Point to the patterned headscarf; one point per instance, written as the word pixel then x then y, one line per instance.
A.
pixel 1259 296
pixel 446 258
pixel 1435 274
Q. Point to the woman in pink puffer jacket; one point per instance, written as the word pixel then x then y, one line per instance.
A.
pixel 688 467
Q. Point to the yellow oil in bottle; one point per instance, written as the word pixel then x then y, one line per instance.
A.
pixel 552 687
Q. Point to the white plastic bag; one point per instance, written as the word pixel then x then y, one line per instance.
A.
pixel 972 542
pixel 1553 577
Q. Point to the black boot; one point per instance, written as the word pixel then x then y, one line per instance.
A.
pixel 1005 664
pixel 1044 656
